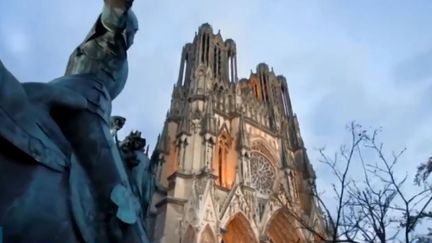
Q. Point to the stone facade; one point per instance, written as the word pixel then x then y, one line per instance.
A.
pixel 231 164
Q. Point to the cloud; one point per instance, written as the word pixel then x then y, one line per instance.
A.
pixel 415 69
pixel 16 41
pixel 363 61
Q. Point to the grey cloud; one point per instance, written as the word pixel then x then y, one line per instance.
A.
pixel 415 69
pixel 334 76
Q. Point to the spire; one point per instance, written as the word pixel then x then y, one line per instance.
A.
pixel 243 140
pixel 158 143
pixel 162 140
pixel 184 126
pixel 206 27
pixel 208 51
pixel 285 96
pixel 209 122
pixel 284 152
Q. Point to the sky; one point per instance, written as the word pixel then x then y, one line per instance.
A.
pixel 344 60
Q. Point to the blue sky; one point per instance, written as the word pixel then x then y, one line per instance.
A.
pixel 369 61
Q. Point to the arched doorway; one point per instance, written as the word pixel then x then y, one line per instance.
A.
pixel 190 235
pixel 238 230
pixel 281 228
pixel 207 236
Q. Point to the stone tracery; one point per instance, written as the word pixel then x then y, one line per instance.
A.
pixel 262 173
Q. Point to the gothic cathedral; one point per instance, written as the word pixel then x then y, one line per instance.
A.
pixel 231 163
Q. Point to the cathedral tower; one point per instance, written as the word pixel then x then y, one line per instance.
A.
pixel 231 164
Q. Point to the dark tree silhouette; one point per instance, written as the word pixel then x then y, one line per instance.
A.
pixel 372 201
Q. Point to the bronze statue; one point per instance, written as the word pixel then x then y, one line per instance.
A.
pixel 57 151
pixel 139 167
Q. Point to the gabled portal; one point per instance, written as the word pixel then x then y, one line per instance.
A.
pixel 238 230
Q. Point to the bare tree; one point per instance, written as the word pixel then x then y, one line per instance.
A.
pixel 410 208
pixel 371 202
pixel 334 226
pixel 423 172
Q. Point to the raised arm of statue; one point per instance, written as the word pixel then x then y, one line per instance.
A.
pixel 103 53
pixel 118 17
pixel 119 4
pixel 64 125
pixel 98 70
pixel 114 14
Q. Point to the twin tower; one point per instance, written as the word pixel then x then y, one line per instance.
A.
pixel 231 164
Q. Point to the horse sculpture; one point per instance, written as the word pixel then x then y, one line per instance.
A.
pixel 62 177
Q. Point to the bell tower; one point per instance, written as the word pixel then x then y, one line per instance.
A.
pixel 230 159
pixel 207 62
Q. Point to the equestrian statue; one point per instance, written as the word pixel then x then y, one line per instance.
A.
pixel 63 177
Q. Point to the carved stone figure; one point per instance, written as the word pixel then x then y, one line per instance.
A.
pixel 139 167
pixel 61 176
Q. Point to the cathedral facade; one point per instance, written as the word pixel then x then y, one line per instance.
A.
pixel 231 165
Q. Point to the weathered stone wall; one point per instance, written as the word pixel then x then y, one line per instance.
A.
pixel 231 161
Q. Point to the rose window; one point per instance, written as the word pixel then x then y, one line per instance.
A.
pixel 262 173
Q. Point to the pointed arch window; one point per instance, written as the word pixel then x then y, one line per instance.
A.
pixel 221 164
pixel 189 236
pixel 221 159
pixel 207 236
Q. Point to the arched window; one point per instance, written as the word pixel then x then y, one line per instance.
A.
pixel 239 230
pixel 207 236
pixel 282 219
pixel 189 236
pixel 223 164
pixel 221 155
